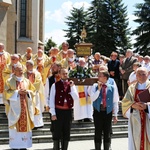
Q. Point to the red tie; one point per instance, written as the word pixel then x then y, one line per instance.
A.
pixel 65 85
pixel 104 95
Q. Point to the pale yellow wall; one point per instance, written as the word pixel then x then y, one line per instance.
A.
pixel 4 5
pixel 35 26
pixel 11 19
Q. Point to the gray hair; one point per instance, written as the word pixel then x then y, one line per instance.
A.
pixel 18 65
pixel 30 61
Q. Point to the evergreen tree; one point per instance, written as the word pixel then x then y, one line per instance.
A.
pixel 75 23
pixel 108 26
pixel 142 32
pixel 49 44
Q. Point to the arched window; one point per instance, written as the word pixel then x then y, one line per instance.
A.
pixel 23 23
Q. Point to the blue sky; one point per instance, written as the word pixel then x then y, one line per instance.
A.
pixel 57 10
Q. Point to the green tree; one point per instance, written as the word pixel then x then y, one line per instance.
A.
pixel 75 23
pixel 49 44
pixel 142 32
pixel 107 26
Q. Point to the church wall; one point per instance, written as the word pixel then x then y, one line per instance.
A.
pixel 4 5
pixel 10 26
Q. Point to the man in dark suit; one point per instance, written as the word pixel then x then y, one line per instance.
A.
pixel 126 68
pixel 113 68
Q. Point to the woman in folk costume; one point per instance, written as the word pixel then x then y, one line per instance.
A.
pixel 137 112
pixel 35 78
pixel 19 94
pixel 4 60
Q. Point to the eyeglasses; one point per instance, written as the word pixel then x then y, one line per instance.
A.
pixel 100 76
pixel 141 74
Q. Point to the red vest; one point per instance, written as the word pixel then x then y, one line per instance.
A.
pixel 61 94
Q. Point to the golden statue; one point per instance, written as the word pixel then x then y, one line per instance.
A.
pixel 83 34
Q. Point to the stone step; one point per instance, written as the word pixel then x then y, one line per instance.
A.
pixel 46 118
pixel 47 115
pixel 5 120
pixel 123 121
pixel 4 125
pixel 79 130
pixel 74 137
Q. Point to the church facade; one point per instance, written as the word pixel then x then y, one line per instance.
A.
pixel 21 24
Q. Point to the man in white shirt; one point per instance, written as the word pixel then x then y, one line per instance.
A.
pixel 62 95
pixel 103 96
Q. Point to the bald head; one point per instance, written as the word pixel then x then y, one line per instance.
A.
pixel 29 50
pixel 142 74
pixel 102 67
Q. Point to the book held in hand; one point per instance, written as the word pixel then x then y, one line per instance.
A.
pixel 144 96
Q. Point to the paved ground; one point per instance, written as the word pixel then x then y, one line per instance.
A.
pixel 117 144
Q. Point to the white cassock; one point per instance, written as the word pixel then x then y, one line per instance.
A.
pixel 135 127
pixel 1 98
pixel 18 139
pixel 39 98
pixel 85 110
pixel 38 119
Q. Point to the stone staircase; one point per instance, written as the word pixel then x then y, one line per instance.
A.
pixel 79 131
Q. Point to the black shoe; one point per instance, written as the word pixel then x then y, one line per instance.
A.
pixel 87 120
pixel 80 121
pixel 35 128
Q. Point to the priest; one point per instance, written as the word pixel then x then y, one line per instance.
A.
pixel 137 112
pixel 19 96
pixel 35 78
pixel 4 60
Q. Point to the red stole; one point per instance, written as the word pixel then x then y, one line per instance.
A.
pixel 13 68
pixel 2 65
pixel 143 118
pixel 31 77
pixel 53 58
pixel 22 122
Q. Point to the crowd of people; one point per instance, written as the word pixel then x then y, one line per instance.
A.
pixel 33 83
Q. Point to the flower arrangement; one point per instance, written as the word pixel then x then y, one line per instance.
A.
pixel 81 73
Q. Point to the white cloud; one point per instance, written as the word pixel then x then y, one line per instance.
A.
pixel 80 4
pixel 132 17
pixel 132 24
pixel 64 11
pixel 55 20
pixel 56 35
